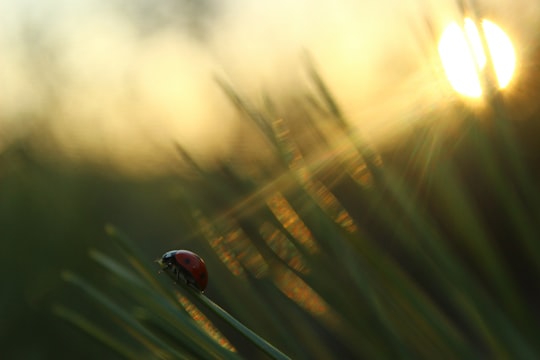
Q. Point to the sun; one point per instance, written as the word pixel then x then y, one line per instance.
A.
pixel 463 57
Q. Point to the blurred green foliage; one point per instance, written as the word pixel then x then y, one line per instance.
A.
pixel 49 216
pixel 330 249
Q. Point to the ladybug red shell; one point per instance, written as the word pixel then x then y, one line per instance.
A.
pixel 187 266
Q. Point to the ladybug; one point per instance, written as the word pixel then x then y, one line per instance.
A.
pixel 186 266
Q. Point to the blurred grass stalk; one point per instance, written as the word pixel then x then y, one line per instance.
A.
pixel 425 301
pixel 160 301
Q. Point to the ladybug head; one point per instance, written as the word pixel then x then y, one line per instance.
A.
pixel 169 255
pixel 167 260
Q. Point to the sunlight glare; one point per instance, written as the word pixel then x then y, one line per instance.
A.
pixel 463 57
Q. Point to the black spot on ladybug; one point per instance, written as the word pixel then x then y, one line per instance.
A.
pixel 202 276
pixel 187 261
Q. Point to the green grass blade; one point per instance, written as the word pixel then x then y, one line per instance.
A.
pixel 163 311
pixel 165 350
pixel 97 332
pixel 262 344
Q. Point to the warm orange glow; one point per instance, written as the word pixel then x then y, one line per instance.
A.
pixel 246 253
pixel 205 323
pixel 319 191
pixel 234 248
pixel 219 244
pixel 463 56
pixel 331 205
pixel 298 291
pixel 294 157
pixel 290 220
pixel 283 247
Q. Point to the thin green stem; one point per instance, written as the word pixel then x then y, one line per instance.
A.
pixel 262 344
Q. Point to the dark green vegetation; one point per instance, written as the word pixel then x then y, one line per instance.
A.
pixel 426 249
pixel 49 218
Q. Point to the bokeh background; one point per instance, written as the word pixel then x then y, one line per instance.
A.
pixel 101 101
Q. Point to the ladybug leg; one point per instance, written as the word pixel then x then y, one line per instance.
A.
pixel 173 271
pixel 176 273
pixel 180 275
pixel 183 275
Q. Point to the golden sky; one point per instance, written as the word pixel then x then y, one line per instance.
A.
pixel 120 81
